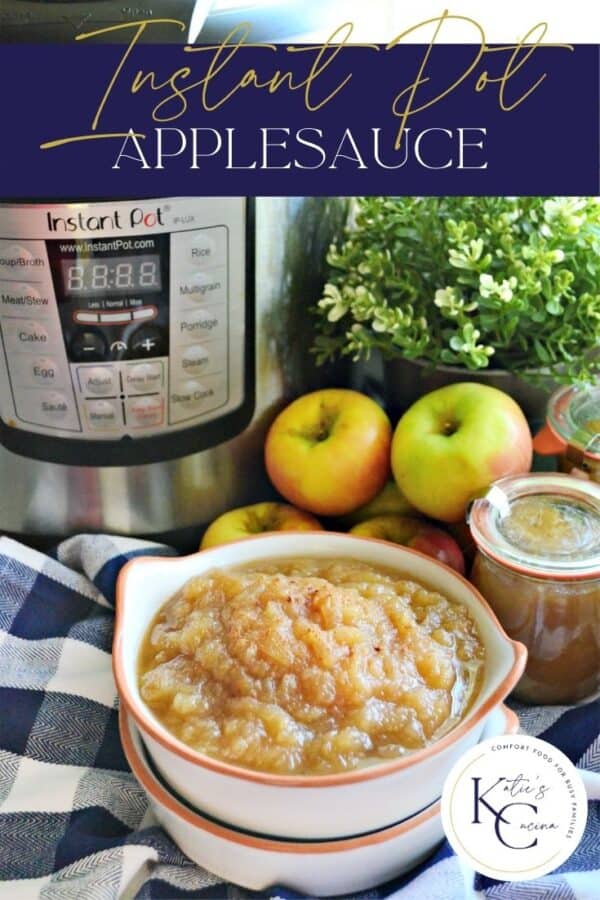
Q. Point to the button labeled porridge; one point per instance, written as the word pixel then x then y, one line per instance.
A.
pixel 309 666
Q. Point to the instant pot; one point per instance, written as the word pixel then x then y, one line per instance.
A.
pixel 206 21
pixel 146 347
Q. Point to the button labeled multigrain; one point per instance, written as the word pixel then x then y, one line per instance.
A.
pixel 143 378
pixel 103 415
pixel 209 286
pixel 100 380
pixel 145 412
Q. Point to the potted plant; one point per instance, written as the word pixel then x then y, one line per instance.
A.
pixel 503 290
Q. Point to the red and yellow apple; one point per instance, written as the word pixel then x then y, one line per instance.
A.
pixel 454 442
pixel 329 451
pixel 416 533
pixel 257 519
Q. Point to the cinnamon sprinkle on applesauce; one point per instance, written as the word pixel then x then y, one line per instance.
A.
pixel 309 666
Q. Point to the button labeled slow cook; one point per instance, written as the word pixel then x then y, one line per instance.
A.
pixel 206 324
pixel 197 396
pixel 143 378
pixel 103 415
pixel 145 412
pixel 99 380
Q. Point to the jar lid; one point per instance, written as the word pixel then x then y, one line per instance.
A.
pixel 574 417
pixel 545 525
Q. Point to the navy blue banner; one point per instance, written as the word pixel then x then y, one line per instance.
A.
pixel 85 120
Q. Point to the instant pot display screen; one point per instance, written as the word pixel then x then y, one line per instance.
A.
pixel 110 275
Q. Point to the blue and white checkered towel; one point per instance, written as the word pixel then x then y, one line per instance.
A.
pixel 74 825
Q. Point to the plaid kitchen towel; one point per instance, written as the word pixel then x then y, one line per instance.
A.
pixel 74 825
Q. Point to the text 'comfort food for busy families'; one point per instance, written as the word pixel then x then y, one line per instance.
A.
pixel 309 666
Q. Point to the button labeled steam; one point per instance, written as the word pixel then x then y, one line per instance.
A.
pixel 195 359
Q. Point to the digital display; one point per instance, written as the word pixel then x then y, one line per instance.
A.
pixel 110 275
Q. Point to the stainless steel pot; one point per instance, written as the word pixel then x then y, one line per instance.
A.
pixel 90 440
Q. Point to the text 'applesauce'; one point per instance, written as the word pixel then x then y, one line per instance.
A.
pixel 309 666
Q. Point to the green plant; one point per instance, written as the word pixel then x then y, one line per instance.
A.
pixel 479 282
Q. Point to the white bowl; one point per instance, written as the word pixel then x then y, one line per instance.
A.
pixel 306 807
pixel 318 869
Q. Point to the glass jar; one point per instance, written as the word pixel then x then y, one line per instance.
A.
pixel 538 566
pixel 572 431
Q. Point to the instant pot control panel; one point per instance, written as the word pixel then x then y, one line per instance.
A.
pixel 125 325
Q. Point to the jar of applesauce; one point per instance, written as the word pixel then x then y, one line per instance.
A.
pixel 538 566
pixel 572 431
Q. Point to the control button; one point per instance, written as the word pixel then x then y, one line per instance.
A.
pixel 120 318
pixel 148 340
pixel 88 346
pixel 103 415
pixel 44 371
pixel 85 318
pixel 22 297
pixel 118 349
pixel 25 334
pixel 195 397
pixel 143 378
pixel 52 409
pixel 18 261
pixel 209 286
pixel 99 380
pixel 195 359
pixel 145 412
pixel 206 247
pixel 201 323
pixel 146 312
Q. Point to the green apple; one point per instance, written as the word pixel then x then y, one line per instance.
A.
pixel 389 501
pixel 454 442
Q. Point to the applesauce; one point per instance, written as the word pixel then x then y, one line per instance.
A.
pixel 309 666
pixel 538 566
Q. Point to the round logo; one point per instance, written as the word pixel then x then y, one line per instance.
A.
pixel 514 808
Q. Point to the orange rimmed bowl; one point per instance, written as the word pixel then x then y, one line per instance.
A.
pixel 302 806
pixel 315 868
